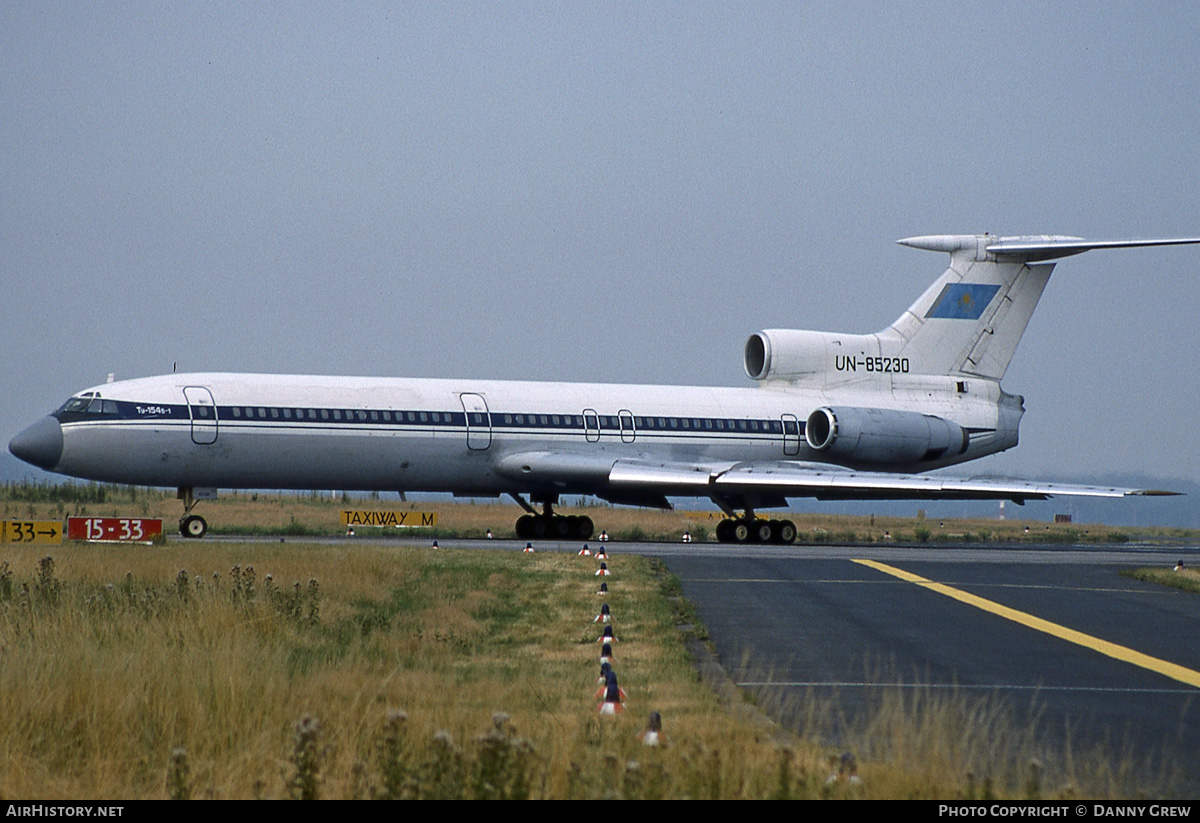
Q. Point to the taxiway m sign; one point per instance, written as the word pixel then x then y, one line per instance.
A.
pixel 397 519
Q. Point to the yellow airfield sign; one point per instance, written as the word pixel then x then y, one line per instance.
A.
pixel 351 517
pixel 31 531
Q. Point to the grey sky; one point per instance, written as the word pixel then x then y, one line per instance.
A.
pixel 618 192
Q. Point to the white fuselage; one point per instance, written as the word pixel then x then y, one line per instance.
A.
pixel 463 436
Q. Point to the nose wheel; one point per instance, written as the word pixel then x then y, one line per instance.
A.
pixel 193 526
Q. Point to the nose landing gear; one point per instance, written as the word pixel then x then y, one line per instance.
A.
pixel 193 525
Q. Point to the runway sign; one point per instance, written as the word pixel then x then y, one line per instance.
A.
pixel 114 529
pixel 31 531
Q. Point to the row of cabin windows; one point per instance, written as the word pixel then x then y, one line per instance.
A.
pixel 614 422
pixel 352 415
pixel 709 424
pixel 540 420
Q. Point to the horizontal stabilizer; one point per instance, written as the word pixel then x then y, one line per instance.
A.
pixel 1031 248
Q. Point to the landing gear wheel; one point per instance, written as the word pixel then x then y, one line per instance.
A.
pixel 560 527
pixel 739 532
pixel 586 528
pixel 193 526
pixel 525 526
pixel 548 525
pixel 787 532
pixel 761 531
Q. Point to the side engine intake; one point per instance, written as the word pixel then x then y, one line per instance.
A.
pixel 883 436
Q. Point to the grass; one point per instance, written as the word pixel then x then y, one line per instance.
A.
pixel 204 683
pixel 261 670
pixel 1186 579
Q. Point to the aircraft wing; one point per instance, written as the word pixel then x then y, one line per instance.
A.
pixel 826 482
pixel 650 482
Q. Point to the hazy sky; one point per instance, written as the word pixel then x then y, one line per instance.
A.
pixel 617 192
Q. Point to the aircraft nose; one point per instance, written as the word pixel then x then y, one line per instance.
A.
pixel 41 444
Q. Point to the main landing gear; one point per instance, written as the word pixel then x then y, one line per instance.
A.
pixel 191 525
pixel 749 529
pixel 551 526
pixel 753 530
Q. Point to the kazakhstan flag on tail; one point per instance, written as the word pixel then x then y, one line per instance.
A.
pixel 962 301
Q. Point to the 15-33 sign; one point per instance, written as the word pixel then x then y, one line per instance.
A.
pixel 114 529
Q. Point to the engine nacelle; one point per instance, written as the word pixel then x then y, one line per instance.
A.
pixel 883 436
pixel 794 354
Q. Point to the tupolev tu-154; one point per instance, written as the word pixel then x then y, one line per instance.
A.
pixel 832 416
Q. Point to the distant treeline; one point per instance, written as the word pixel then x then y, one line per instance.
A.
pixel 26 491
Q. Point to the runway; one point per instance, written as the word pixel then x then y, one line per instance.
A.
pixel 1053 632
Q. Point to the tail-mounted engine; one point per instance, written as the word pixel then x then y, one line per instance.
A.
pixel 884 436
pixel 796 354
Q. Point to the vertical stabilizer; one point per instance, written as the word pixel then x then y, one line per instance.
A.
pixel 967 323
pixel 971 319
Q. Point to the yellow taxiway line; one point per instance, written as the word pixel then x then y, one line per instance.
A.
pixel 1118 652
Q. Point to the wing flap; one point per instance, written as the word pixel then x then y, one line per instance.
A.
pixel 640 473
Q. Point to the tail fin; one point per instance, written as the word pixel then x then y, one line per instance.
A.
pixel 968 322
pixel 972 318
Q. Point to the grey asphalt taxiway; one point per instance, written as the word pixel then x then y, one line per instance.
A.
pixel 1053 633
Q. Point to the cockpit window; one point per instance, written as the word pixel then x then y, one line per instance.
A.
pixel 89 403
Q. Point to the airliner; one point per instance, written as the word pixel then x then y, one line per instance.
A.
pixel 831 416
